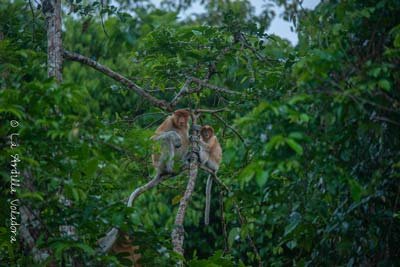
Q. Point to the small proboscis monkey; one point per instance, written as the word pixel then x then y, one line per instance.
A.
pixel 173 134
pixel 210 157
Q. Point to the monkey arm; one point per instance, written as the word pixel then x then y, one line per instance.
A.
pixel 204 145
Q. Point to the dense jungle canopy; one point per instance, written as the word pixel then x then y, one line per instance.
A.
pixel 310 138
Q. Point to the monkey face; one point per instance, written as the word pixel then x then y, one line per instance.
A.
pixel 207 132
pixel 182 122
pixel 181 118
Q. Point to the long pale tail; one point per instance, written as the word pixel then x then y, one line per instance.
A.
pixel 106 243
pixel 208 201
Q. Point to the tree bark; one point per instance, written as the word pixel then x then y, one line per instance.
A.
pixel 178 233
pixel 52 12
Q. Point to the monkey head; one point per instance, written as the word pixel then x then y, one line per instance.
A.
pixel 207 132
pixel 181 118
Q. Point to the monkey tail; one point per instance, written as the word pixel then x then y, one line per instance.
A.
pixel 208 200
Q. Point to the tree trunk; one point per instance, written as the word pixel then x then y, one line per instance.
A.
pixel 52 12
pixel 178 232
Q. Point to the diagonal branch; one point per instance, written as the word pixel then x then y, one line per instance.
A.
pixel 213 87
pixel 118 77
pixel 230 127
pixel 182 92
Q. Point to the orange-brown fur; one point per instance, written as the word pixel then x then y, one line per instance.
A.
pixel 179 122
pixel 212 146
pixel 210 156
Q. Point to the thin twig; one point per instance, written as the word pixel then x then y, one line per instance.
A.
pixel 213 87
pixel 211 110
pixel 246 44
pixel 161 90
pixel 102 20
pixel 135 118
pixel 379 118
pixel 154 122
pixel 33 20
pixel 230 127
pixel 181 92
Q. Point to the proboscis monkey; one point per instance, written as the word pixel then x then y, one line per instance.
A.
pixel 210 157
pixel 174 126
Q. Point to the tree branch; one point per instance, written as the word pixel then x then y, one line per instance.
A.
pixel 213 87
pixel 117 77
pixel 181 92
pixel 210 110
pixel 178 231
pixel 230 127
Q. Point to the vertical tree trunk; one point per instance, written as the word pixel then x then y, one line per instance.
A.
pixel 52 12
pixel 178 233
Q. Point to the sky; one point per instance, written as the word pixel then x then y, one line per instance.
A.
pixel 278 25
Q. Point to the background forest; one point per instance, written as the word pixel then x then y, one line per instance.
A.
pixel 311 144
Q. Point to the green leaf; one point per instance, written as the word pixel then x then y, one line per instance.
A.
pixel 197 33
pixel 295 219
pixel 356 190
pixel 87 249
pixel 291 244
pixel 295 146
pixel 296 135
pixel 247 173
pixel 384 84
pixel 91 167
pixel 234 234
pixel 32 195
pixel 175 200
pixel 262 178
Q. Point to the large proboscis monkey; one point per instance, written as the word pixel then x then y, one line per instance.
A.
pixel 210 157
pixel 173 134
pixel 174 140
